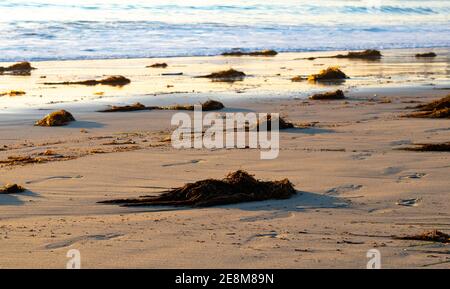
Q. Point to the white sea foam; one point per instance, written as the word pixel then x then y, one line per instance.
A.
pixel 92 29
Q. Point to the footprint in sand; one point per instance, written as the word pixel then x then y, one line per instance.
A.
pixel 69 242
pixel 361 156
pixel 412 176
pixel 343 189
pixel 268 216
pixel 392 170
pixel 182 163
pixel 53 178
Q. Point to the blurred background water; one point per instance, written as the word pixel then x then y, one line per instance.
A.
pixel 99 29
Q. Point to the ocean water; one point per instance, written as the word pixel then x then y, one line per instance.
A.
pixel 98 29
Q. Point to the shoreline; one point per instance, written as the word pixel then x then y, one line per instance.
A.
pixel 420 48
pixel 267 77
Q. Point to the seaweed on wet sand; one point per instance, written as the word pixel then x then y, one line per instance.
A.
pixel 209 105
pixel 56 118
pixel 369 54
pixel 430 236
pixel 427 54
pixel 116 80
pixel 366 54
pixel 331 95
pixel 282 123
pixel 158 65
pixel 332 73
pixel 430 147
pixel 267 52
pixel 134 107
pixel 21 68
pixel 236 187
pixel 13 93
pixel 12 189
pixel 437 109
pixel 225 75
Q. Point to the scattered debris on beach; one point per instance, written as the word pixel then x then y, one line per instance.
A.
pixel 229 75
pixel 56 118
pixel 117 80
pixel 366 54
pixel 436 109
pixel 13 93
pixel 298 78
pixel 430 236
pixel 331 95
pixel 409 202
pixel 436 147
pixel 237 187
pixel 267 52
pixel 332 73
pixel 369 54
pixel 212 105
pixel 21 68
pixel 428 54
pixel 209 105
pixel 134 107
pixel 158 65
pixel 12 189
pixel 282 124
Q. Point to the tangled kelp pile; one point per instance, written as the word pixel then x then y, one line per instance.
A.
pixel 21 68
pixel 134 107
pixel 369 54
pixel 158 65
pixel 12 189
pixel 430 147
pixel 428 54
pixel 116 80
pixel 267 52
pixel 13 93
pixel 331 95
pixel 332 73
pixel 366 54
pixel 56 118
pixel 436 109
pixel 267 122
pixel 208 105
pixel 229 75
pixel 430 236
pixel 237 187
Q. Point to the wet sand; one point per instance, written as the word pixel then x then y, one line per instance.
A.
pixel 347 169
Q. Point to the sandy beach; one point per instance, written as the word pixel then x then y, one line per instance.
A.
pixel 345 160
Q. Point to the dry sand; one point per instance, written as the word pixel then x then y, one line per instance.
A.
pixel 347 170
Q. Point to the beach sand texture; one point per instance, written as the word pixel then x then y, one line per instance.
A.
pixel 347 167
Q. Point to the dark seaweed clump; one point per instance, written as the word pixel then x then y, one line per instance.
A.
pixel 21 68
pixel 428 54
pixel 430 236
pixel 117 80
pixel 332 95
pixel 253 53
pixel 12 189
pixel 330 74
pixel 206 106
pixel 366 54
pixel 56 118
pixel 436 109
pixel 158 65
pixel 430 147
pixel 237 187
pixel 229 75
pixel 282 123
